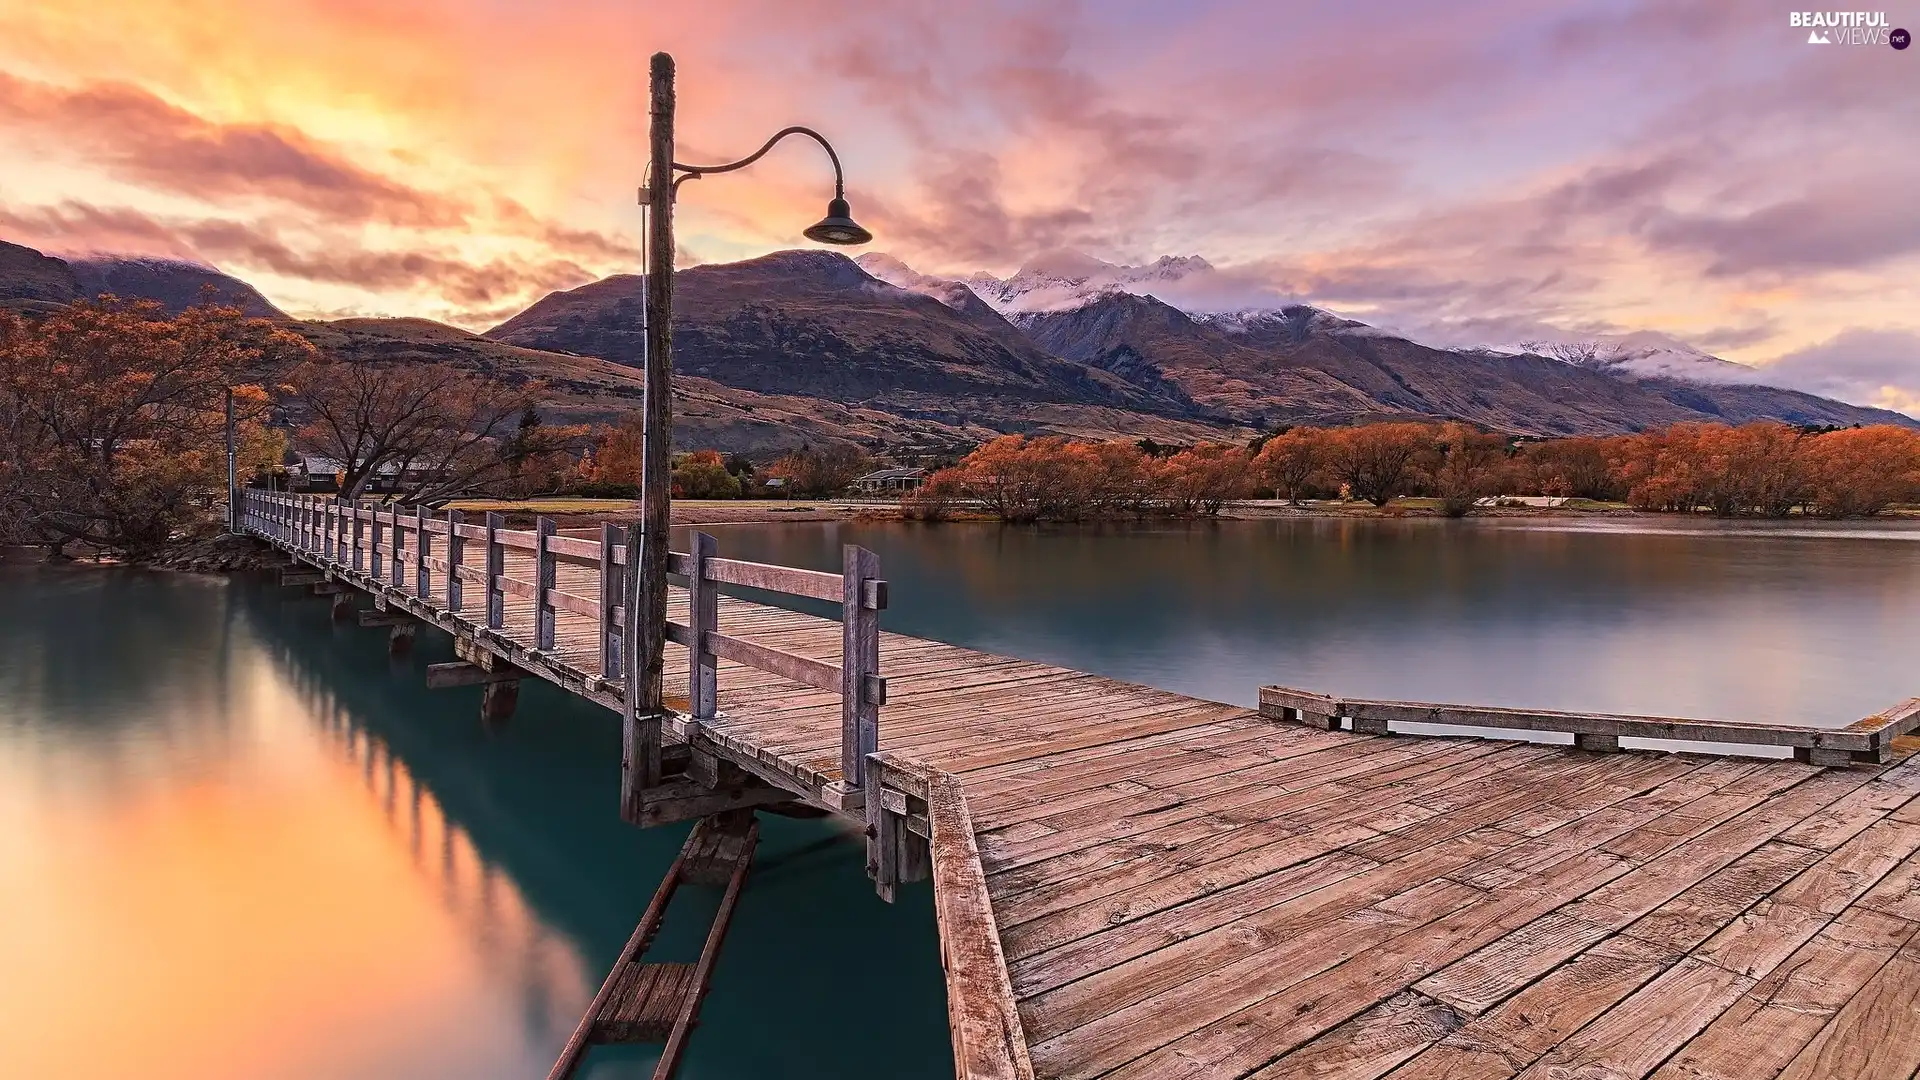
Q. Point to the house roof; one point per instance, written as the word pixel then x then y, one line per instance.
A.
pixel 893 474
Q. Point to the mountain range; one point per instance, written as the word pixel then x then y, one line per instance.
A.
pixel 802 347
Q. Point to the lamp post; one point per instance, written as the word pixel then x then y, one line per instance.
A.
pixel 647 581
pixel 233 484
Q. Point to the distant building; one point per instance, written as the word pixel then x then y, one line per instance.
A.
pixel 889 481
pixel 311 472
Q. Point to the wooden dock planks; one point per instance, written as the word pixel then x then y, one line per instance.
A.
pixel 1131 883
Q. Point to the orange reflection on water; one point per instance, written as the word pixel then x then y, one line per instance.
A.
pixel 298 907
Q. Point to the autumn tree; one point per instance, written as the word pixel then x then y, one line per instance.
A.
pixel 1200 479
pixel 423 433
pixel 1577 468
pixel 703 474
pixel 1467 466
pixel 822 470
pixel 1856 472
pixel 1376 461
pixel 1289 461
pixel 112 416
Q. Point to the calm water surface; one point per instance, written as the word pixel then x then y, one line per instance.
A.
pixel 237 842
pixel 1809 623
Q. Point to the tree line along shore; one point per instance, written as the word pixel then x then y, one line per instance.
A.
pixel 113 416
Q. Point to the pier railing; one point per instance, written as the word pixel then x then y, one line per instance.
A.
pixel 1869 740
pixel 431 558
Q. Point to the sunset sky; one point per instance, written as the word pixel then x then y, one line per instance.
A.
pixel 1465 172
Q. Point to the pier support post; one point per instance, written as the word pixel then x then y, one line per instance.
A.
pixel 400 639
pixel 343 609
pixel 498 700
pixel 1599 744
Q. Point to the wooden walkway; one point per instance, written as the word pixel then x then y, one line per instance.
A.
pixel 1132 883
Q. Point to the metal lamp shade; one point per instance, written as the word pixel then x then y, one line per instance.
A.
pixel 838 227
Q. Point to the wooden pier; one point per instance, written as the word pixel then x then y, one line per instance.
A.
pixel 1133 883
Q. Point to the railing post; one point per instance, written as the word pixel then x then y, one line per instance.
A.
pixel 610 581
pixel 496 566
pixel 859 664
pixel 422 584
pixel 456 552
pixel 703 607
pixel 545 580
pixel 376 562
pixel 398 579
pixel 330 515
pixel 359 562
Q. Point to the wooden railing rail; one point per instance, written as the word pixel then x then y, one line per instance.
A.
pixel 403 549
pixel 1869 740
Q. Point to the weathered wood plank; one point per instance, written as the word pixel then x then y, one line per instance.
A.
pixel 1762 1032
pixel 1872 1036
pixel 988 1041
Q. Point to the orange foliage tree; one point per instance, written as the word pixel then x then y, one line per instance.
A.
pixel 1468 465
pixel 1860 471
pixel 1378 461
pixel 1289 462
pixel 112 417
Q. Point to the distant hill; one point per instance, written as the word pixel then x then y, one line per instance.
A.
pixel 809 346
pixel 814 323
pixel 179 285
pixel 27 275
pixel 586 389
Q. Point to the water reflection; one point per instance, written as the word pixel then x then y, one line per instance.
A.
pixel 235 842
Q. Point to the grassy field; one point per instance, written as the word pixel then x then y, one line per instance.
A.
pixel 555 504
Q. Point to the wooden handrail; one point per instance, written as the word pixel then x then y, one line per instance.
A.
pixel 391 550
pixel 1870 739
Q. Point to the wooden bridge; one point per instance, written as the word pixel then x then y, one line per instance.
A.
pixel 1131 883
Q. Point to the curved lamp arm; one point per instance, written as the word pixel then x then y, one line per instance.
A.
pixel 694 172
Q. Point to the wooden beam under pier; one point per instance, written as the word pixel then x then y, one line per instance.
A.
pixel 644 1001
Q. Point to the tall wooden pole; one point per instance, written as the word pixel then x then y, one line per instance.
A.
pixel 648 617
pixel 233 478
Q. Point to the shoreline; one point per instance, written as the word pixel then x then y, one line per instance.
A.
pixel 575 513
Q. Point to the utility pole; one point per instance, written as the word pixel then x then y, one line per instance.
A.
pixel 233 475
pixel 647 613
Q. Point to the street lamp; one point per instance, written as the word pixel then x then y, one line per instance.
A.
pixel 647 581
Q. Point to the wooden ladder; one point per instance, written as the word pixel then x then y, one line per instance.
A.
pixel 645 1001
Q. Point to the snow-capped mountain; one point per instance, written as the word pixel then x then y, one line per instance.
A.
pixel 1247 310
pixel 1643 354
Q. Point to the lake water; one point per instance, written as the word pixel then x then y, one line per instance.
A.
pixel 238 842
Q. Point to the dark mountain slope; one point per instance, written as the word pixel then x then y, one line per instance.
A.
pixel 28 277
pixel 813 323
pixel 178 285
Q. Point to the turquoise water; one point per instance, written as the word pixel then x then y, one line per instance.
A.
pixel 237 842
